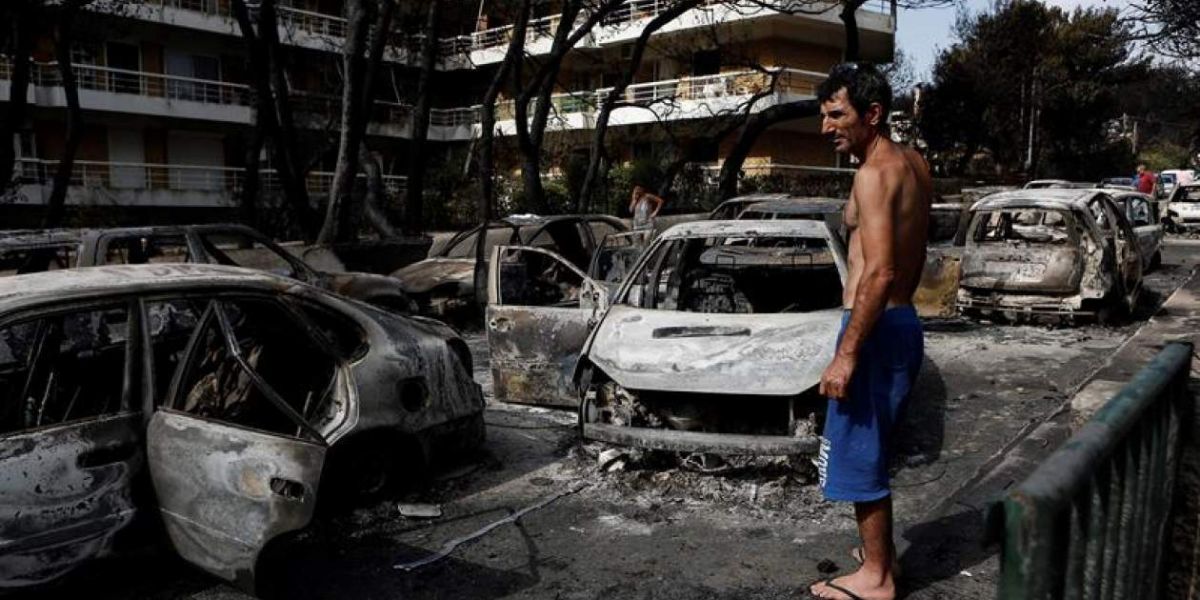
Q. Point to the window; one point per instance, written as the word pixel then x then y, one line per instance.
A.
pixel 15 261
pixel 139 250
pixel 242 251
pixel 1103 219
pixel 62 368
pixel 530 278
pixel 1139 212
pixel 1033 225
pixel 739 275
pixel 169 325
pixel 255 366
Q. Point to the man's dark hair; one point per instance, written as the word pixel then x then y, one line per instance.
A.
pixel 864 84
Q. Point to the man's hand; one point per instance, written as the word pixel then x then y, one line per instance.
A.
pixel 835 382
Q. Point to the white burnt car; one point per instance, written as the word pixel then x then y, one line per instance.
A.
pixel 240 396
pixel 1062 252
pixel 714 343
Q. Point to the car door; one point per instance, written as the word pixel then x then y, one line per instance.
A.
pixel 1128 254
pixel 1146 228
pixel 70 438
pixel 233 457
pixel 540 310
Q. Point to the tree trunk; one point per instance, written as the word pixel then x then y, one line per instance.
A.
pixel 252 181
pixel 375 190
pixel 614 95
pixel 56 205
pixel 346 168
pixel 487 136
pixel 22 37
pixel 273 113
pixel 849 17
pixel 414 194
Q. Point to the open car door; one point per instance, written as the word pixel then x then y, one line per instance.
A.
pixel 540 311
pixel 233 458
pixel 69 439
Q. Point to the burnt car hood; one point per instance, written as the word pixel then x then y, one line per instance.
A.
pixel 1035 268
pixel 421 277
pixel 705 353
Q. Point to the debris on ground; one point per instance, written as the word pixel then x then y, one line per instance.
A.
pixel 419 511
pixel 449 547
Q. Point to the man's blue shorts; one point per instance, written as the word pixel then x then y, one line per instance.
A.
pixel 854 447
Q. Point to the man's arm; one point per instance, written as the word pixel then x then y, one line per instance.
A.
pixel 877 192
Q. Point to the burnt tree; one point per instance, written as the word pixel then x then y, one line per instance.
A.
pixel 20 20
pixel 272 103
pixel 414 213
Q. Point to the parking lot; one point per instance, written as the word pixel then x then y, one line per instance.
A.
pixel 650 527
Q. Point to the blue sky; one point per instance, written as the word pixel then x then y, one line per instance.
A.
pixel 920 33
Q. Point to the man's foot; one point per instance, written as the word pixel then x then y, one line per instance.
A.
pixel 855 586
pixel 857 554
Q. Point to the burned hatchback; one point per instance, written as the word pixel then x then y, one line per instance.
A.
pixel 239 395
pixel 1065 253
pixel 713 344
pixel 717 340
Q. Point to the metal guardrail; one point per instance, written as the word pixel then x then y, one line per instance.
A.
pixel 1090 522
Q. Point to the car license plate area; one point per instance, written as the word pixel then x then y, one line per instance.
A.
pixel 1018 271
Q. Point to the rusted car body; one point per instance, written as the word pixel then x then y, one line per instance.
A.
pixel 713 344
pixel 228 244
pixel 1068 253
pixel 445 282
pixel 240 395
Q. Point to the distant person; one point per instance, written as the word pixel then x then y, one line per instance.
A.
pixel 879 351
pixel 1145 180
pixel 644 206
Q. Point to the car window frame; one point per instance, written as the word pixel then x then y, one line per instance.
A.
pixel 132 347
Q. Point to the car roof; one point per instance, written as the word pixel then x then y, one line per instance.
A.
pixel 1052 198
pixel 758 197
pixel 22 237
pixel 69 284
pixel 723 228
pixel 799 206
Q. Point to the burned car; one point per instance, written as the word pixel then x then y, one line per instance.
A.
pixel 1066 253
pixel 713 344
pixel 33 251
pixel 238 397
pixel 1183 206
pixel 445 282
pixel 733 207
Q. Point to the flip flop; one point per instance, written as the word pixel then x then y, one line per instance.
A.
pixel 830 584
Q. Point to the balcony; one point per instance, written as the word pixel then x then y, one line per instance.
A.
pixel 707 96
pixel 320 31
pixel 145 184
pixel 625 25
pixel 139 92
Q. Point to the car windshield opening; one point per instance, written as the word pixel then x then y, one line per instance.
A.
pixel 1031 225
pixel 739 274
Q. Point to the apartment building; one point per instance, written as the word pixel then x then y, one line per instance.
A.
pixel 168 103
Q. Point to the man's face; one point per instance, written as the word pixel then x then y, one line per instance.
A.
pixel 849 131
pixel 1140 169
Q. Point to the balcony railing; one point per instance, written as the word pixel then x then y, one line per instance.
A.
pixel 121 81
pixel 633 11
pixel 155 177
pixel 738 84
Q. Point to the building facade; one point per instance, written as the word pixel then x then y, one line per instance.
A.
pixel 169 117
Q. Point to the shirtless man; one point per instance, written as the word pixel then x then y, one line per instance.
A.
pixel 881 344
